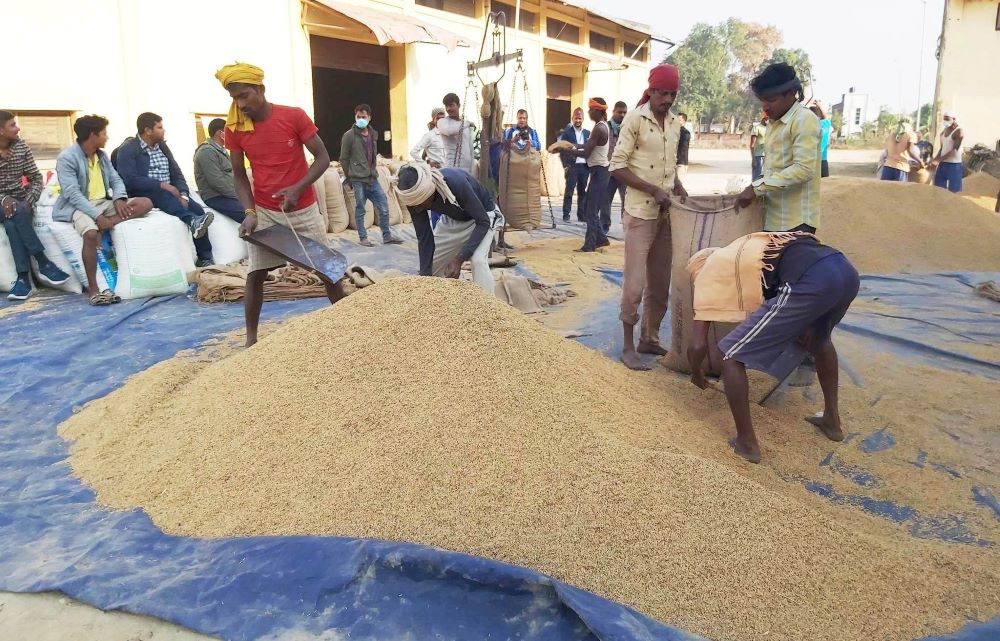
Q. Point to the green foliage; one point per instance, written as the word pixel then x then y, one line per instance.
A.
pixel 717 64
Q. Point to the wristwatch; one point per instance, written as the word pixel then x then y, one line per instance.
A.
pixel 249 212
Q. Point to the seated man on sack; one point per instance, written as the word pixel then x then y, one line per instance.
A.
pixel 464 231
pixel 788 291
pixel 92 196
pixel 213 173
pixel 148 169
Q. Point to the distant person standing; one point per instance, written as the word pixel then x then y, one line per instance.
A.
pixel 457 134
pixel 615 125
pixel 358 158
pixel 595 152
pixel 950 169
pixel 825 129
pixel 900 153
pixel 758 134
pixel 575 167
pixel 683 144
pixel 430 148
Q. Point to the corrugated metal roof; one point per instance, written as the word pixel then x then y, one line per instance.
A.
pixel 628 24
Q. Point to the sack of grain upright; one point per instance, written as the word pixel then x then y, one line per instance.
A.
pixel 337 213
pixel 691 232
pixel 385 182
pixel 553 178
pixel 520 188
pixel 320 188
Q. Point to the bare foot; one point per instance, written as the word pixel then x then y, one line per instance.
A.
pixel 829 426
pixel 632 361
pixel 251 340
pixel 698 378
pixel 749 450
pixel 650 348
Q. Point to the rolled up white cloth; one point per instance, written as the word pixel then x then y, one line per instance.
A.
pixel 429 180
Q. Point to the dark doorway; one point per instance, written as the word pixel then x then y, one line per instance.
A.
pixel 558 114
pixel 558 107
pixel 336 90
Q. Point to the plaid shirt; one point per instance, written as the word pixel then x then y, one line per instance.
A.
pixel 790 185
pixel 15 168
pixel 159 166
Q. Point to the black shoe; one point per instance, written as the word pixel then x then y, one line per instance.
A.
pixel 204 262
pixel 565 218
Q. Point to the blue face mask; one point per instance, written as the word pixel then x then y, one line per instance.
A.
pixel 360 123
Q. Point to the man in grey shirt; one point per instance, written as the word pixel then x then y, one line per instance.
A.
pixel 213 173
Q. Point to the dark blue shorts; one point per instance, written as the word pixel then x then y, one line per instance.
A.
pixel 768 340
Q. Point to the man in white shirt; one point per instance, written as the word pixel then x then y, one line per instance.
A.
pixel 457 135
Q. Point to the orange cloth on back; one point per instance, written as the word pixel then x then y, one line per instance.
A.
pixel 729 281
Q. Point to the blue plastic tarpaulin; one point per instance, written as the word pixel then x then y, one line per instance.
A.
pixel 55 536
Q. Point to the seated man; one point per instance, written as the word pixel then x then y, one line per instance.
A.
pixel 522 135
pixel 86 177
pixel 148 169
pixel 808 288
pixel 213 173
pixel 464 232
pixel 20 187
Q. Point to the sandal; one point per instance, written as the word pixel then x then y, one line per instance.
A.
pixel 113 297
pixel 100 300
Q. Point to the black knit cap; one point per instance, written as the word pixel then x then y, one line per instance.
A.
pixel 775 79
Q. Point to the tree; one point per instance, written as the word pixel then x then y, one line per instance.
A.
pixel 837 122
pixel 717 63
pixel 703 62
pixel 798 59
pixel 926 113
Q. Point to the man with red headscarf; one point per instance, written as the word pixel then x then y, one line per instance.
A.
pixel 645 160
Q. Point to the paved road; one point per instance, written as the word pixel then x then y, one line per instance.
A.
pixel 715 170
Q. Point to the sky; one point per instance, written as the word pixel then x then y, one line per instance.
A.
pixel 871 45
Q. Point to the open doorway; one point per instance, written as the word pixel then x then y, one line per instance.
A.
pixel 346 74
pixel 558 106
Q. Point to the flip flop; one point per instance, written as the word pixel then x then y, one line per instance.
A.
pixel 113 297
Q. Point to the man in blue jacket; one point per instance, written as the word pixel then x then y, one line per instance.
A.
pixel 92 196
pixel 148 169
pixel 577 173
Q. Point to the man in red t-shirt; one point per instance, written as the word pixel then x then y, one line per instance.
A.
pixel 272 137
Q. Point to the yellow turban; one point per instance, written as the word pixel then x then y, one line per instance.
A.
pixel 246 74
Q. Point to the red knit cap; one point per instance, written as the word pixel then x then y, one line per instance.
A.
pixel 664 78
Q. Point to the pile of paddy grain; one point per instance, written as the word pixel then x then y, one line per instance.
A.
pixel 421 410
pixel 886 227
pixel 981 184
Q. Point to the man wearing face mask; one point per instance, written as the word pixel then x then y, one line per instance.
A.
pixel 949 158
pixel 357 157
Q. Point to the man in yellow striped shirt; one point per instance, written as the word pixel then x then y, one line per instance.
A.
pixel 789 187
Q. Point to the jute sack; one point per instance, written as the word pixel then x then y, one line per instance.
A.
pixel 690 232
pixel 553 178
pixel 320 190
pixel 520 188
pixel 385 182
pixel 338 216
